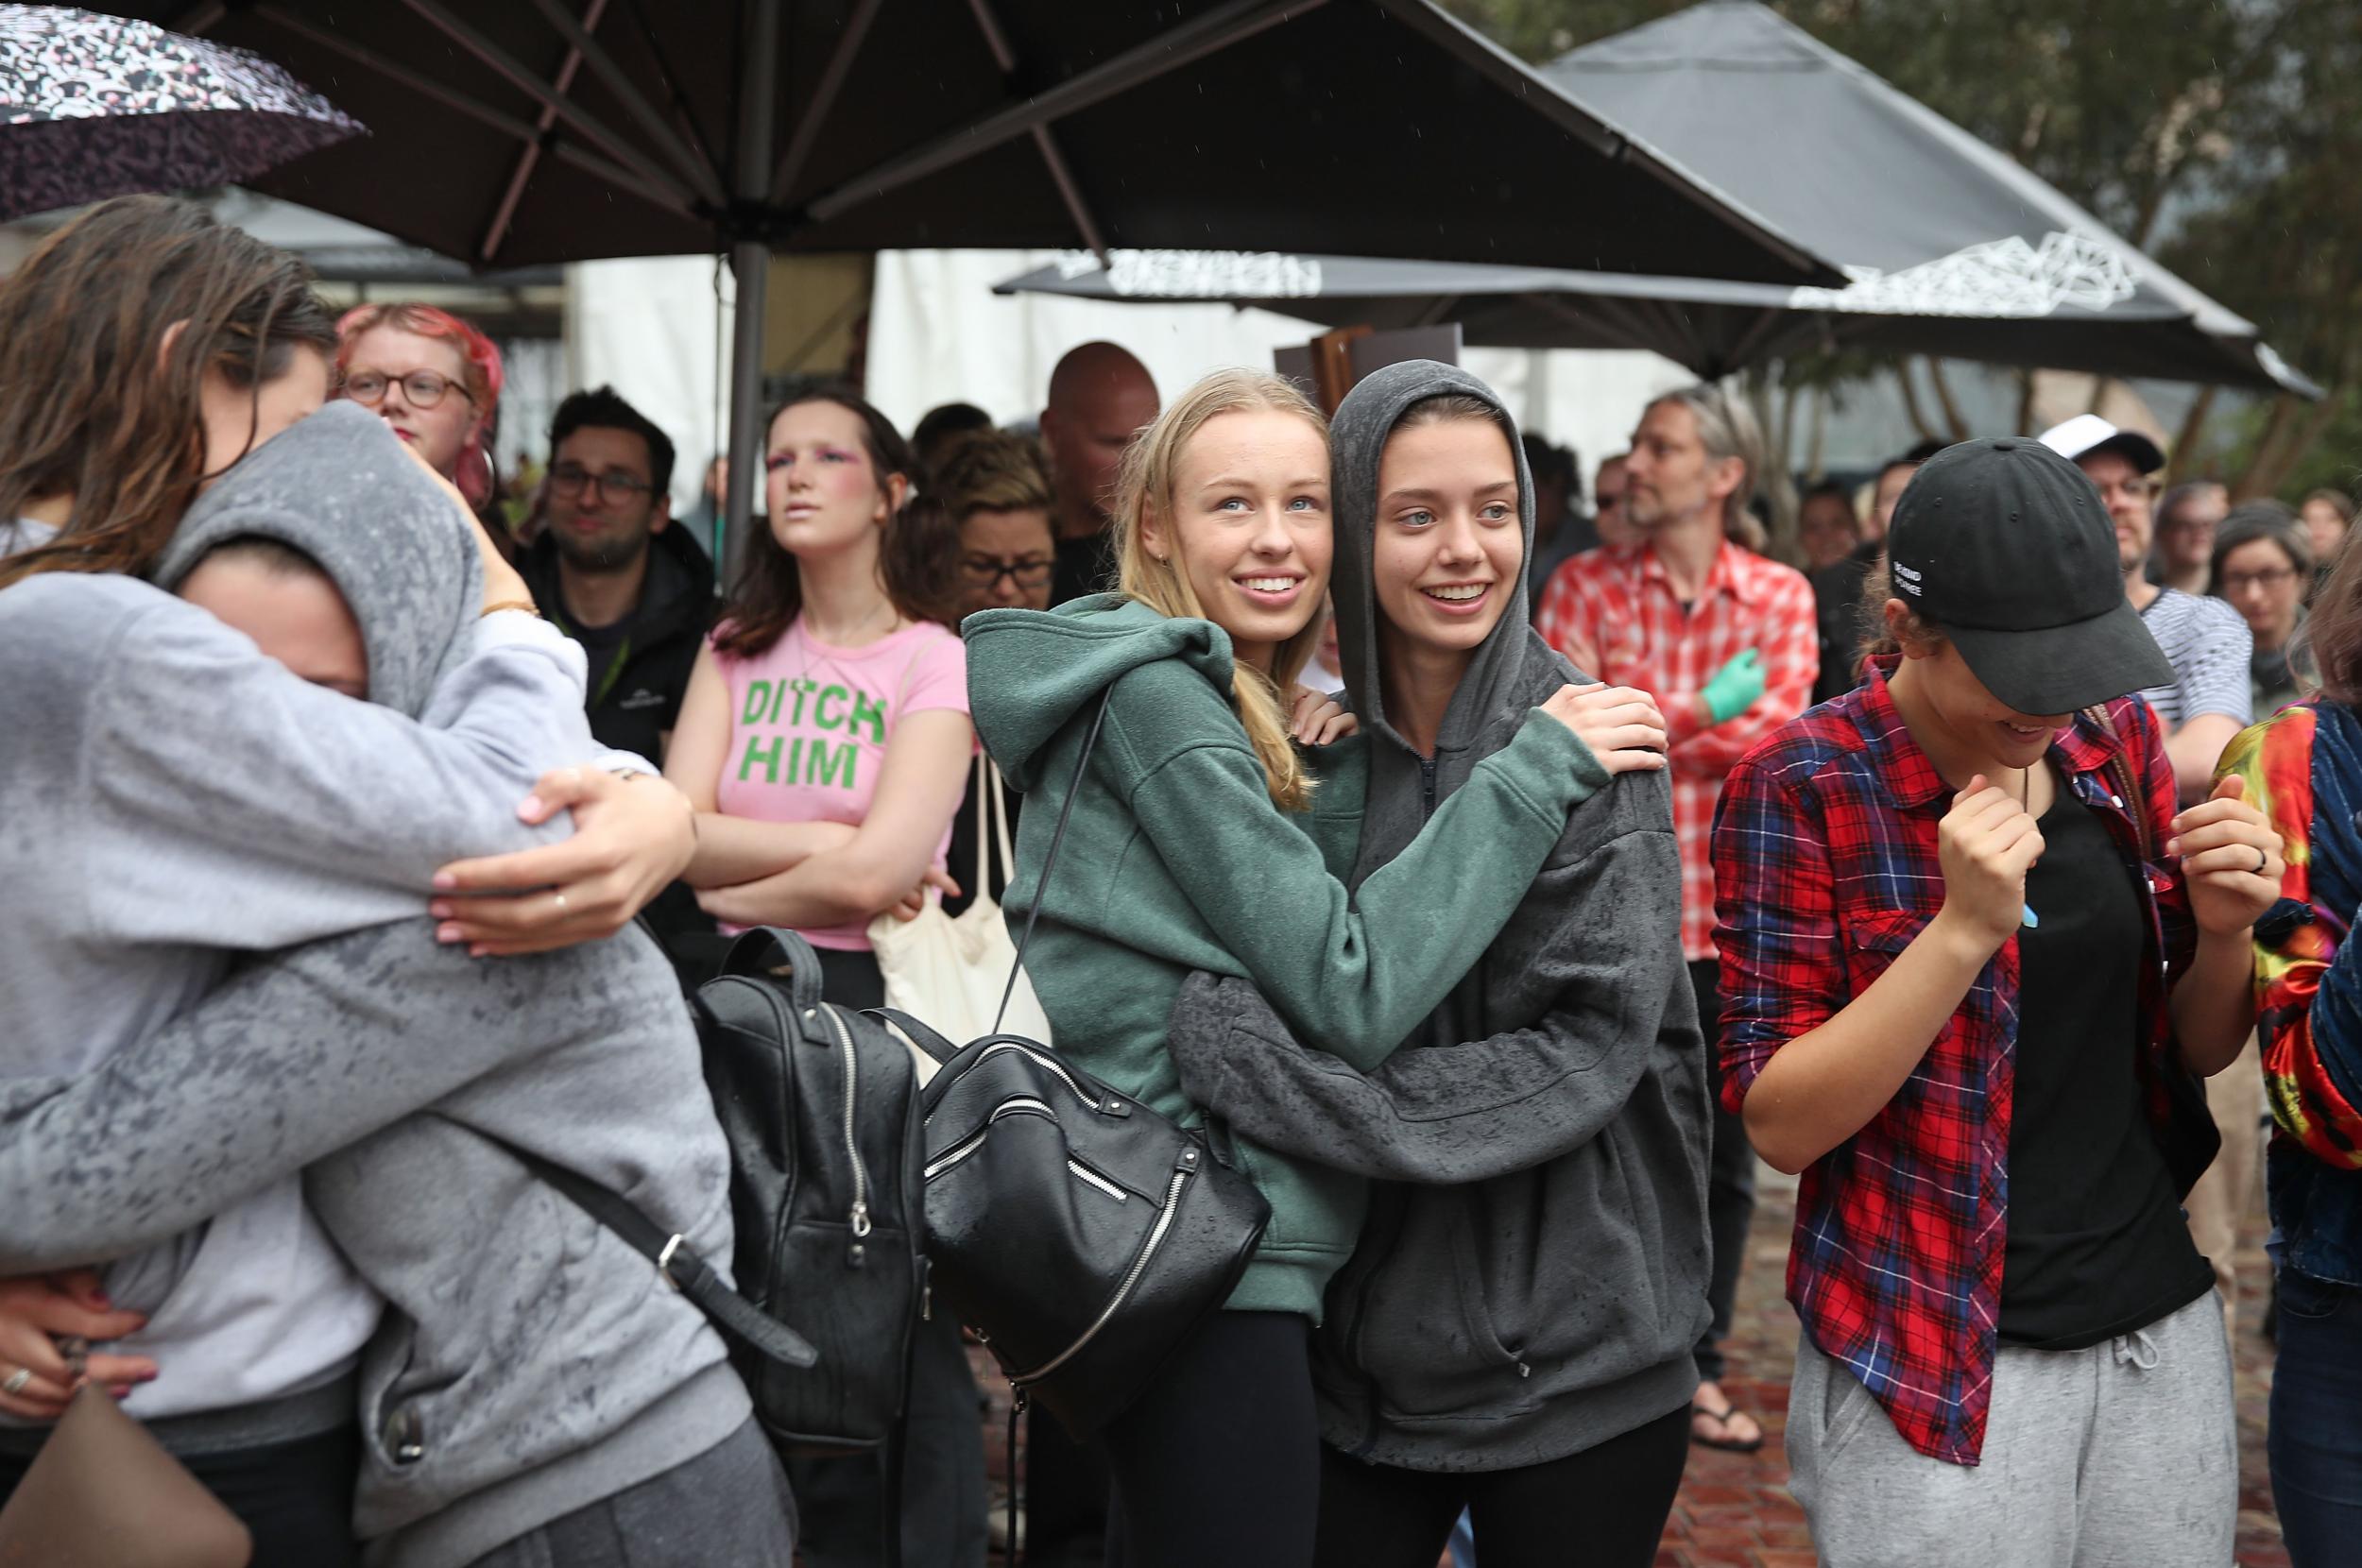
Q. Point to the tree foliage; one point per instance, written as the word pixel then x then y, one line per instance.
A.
pixel 2217 134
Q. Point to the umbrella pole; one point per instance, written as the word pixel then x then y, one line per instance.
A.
pixel 750 263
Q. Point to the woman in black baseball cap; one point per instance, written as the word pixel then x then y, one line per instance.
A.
pixel 1974 963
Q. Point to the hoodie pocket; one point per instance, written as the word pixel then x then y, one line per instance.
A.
pixel 1432 1343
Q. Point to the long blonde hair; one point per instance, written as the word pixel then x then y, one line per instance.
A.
pixel 1144 487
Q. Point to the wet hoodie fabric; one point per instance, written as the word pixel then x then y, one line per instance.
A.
pixel 1531 1275
pixel 528 1364
pixel 1176 859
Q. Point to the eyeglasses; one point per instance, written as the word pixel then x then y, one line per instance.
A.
pixel 616 488
pixel 986 572
pixel 2270 578
pixel 420 388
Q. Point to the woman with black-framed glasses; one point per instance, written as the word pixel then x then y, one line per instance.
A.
pixel 433 377
pixel 2264 565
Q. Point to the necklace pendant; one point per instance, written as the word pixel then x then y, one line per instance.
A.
pixel 2029 919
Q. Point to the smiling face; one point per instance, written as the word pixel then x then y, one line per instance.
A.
pixel 391 355
pixel 1972 725
pixel 825 494
pixel 601 500
pixel 1247 524
pixel 1449 543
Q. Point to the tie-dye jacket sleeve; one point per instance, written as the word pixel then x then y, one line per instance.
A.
pixel 2308 979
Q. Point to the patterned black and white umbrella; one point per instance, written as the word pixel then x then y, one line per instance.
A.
pixel 96 106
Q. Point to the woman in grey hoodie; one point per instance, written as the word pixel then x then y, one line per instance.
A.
pixel 1512 1333
pixel 534 1380
pixel 182 798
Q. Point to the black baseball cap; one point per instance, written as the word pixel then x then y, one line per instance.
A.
pixel 2005 547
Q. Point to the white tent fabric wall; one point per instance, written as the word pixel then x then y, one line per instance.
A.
pixel 939 334
pixel 647 326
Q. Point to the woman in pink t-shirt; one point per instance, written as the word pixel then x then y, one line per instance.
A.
pixel 824 738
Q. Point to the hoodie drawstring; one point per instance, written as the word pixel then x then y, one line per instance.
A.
pixel 2136 1348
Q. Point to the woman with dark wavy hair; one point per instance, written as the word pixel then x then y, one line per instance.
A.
pixel 825 737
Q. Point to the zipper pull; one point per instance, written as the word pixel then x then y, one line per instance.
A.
pixel 861 1218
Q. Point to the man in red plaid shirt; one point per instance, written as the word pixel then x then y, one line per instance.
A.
pixel 1727 643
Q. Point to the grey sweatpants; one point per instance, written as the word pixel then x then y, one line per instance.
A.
pixel 2121 1455
pixel 727 1506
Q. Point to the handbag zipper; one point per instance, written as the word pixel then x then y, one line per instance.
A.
pixel 852 1146
pixel 1139 1267
pixel 975 1140
pixel 1038 1058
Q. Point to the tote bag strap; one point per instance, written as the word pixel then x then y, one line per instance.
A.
pixel 1001 819
pixel 1049 860
pixel 985 776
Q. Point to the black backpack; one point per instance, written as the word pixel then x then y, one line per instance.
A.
pixel 820 1106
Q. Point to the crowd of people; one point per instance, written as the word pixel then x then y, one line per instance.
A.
pixel 1498 877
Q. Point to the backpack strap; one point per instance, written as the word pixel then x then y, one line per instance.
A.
pixel 678 1265
pixel 924 1037
pixel 1049 860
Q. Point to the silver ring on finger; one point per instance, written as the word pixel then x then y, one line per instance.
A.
pixel 16 1382
pixel 562 904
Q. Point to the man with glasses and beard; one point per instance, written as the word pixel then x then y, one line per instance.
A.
pixel 611 573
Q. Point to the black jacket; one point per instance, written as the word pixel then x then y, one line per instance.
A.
pixel 639 668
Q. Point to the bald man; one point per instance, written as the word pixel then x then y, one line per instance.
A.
pixel 1100 397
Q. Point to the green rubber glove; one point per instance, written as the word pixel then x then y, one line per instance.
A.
pixel 1735 686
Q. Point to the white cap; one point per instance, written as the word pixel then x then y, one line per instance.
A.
pixel 2079 437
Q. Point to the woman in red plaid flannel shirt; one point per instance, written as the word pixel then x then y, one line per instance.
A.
pixel 1971 961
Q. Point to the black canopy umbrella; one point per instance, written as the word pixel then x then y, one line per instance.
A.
pixel 514 131
pixel 1950 246
pixel 96 106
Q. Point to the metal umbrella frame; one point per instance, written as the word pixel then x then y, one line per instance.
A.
pixel 863 124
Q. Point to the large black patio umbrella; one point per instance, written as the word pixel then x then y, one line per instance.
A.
pixel 514 131
pixel 1950 246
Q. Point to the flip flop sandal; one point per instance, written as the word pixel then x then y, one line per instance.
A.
pixel 1722 1418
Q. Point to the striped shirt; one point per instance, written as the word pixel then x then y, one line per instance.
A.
pixel 2208 645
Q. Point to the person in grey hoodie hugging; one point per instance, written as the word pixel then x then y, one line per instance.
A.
pixel 1512 1333
pixel 536 1391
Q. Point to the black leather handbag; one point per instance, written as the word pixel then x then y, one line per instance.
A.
pixel 1081 1233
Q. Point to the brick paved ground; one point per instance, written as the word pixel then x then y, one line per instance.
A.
pixel 1733 1511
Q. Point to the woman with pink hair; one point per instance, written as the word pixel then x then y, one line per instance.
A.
pixel 434 378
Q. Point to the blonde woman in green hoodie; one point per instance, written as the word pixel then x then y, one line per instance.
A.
pixel 1193 843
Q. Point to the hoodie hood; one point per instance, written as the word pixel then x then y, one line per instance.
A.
pixel 1031 670
pixel 1357 441
pixel 1513 668
pixel 340 487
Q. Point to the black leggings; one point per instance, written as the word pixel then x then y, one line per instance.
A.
pixel 1219 1461
pixel 1603 1507
pixel 296 1497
